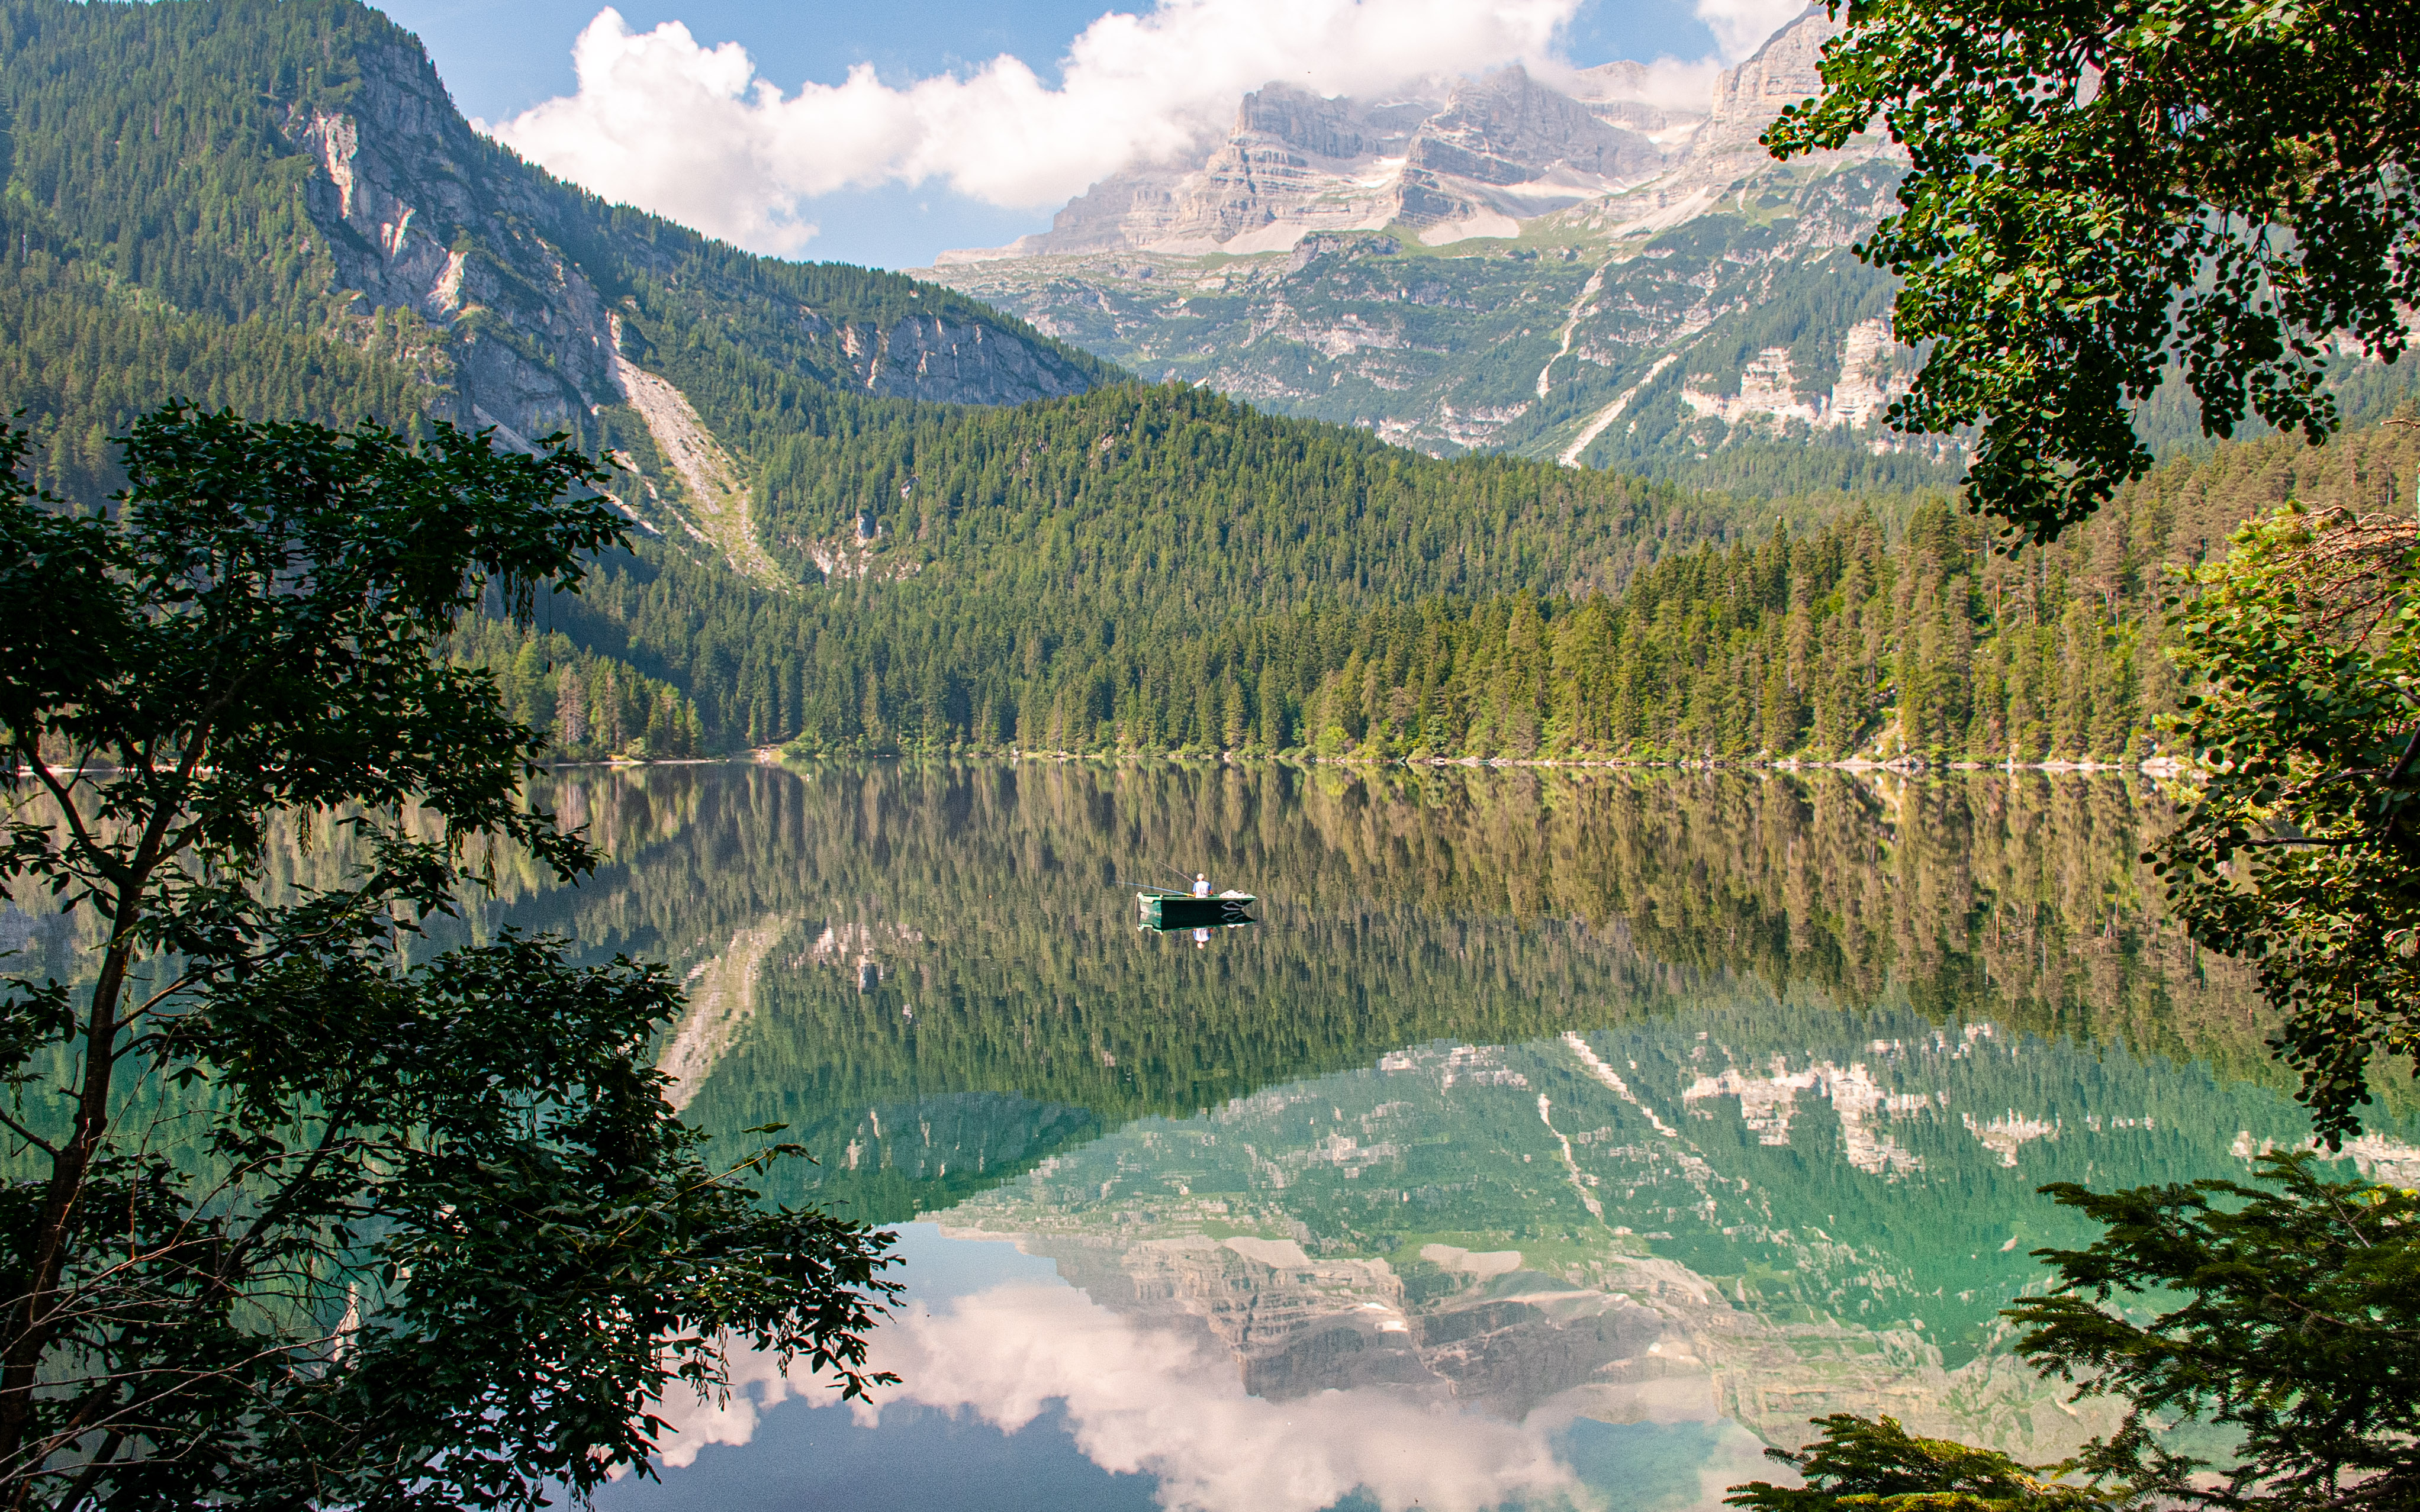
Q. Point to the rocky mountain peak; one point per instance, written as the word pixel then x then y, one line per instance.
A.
pixel 1568 265
pixel 1508 131
pixel 1288 116
pixel 1520 123
pixel 1787 69
pixel 1450 160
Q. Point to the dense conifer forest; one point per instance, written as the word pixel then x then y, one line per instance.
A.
pixel 1889 630
pixel 1064 575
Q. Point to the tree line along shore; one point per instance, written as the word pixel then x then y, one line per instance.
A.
pixel 1891 634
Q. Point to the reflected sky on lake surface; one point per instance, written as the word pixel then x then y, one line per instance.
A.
pixel 1018 1383
pixel 1556 1140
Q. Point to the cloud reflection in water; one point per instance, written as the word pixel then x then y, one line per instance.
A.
pixel 1138 1399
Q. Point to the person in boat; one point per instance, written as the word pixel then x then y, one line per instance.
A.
pixel 1200 885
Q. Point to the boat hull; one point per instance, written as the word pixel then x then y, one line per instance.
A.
pixel 1194 913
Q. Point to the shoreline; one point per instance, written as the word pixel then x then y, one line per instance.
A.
pixel 2153 766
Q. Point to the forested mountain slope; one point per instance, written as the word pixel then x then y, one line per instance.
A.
pixel 276 206
pixel 273 207
pixel 969 572
pixel 1860 638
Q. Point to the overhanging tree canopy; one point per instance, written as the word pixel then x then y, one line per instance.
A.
pixel 2099 187
pixel 289 1220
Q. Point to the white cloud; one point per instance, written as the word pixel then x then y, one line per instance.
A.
pixel 665 122
pixel 690 131
pixel 1144 1401
pixel 1675 84
pixel 1741 26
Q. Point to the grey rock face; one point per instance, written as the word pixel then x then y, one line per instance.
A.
pixel 1339 1356
pixel 1300 1326
pixel 1286 117
pixel 1125 211
pixel 956 362
pixel 1294 161
pixel 1508 129
pixel 417 225
pixel 432 223
pixel 1287 149
pixel 1786 69
pixel 1293 116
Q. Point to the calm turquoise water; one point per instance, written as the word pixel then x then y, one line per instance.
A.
pixel 1555 1139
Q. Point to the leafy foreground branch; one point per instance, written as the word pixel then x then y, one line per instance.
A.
pixel 287 1222
pixel 1861 1462
pixel 2103 192
pixel 2286 1315
pixel 2301 848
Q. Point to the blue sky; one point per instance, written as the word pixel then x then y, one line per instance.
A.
pixel 501 60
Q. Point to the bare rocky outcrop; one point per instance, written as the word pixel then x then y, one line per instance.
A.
pixel 1123 210
pixel 1288 116
pixel 1783 72
pixel 953 362
pixel 433 223
pixel 1294 163
pixel 416 225
pixel 1507 130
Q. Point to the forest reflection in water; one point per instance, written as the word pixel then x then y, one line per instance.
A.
pixel 861 934
pixel 1559 1137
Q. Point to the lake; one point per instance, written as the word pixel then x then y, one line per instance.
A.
pixel 1557 1138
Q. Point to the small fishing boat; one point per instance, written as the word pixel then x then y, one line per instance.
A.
pixel 1165 908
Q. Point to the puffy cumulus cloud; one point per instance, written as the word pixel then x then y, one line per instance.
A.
pixel 1143 1400
pixel 1677 85
pixel 687 131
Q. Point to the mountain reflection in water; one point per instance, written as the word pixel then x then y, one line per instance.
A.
pixel 1558 1138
